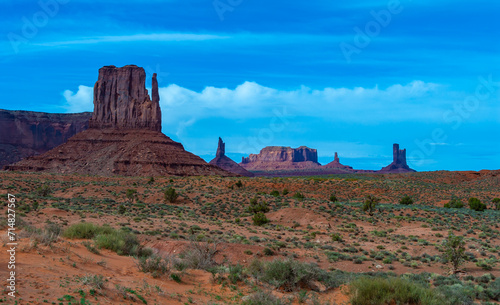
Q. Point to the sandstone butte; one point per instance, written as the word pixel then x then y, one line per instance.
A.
pixel 398 164
pixel 273 158
pixel 335 164
pixel 224 162
pixel 124 135
pixel 27 133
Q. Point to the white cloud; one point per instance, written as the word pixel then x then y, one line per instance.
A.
pixel 80 101
pixel 182 107
pixel 156 37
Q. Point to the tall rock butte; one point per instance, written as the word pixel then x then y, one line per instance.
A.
pixel 124 135
pixel 398 164
pixel 282 158
pixel 224 162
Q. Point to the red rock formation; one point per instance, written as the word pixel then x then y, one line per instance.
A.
pixel 398 164
pixel 26 133
pixel 124 137
pixel 282 158
pixel 121 99
pixel 335 164
pixel 224 162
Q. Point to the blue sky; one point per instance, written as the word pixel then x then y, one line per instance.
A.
pixel 346 76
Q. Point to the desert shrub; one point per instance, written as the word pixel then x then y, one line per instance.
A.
pixel 290 275
pixel 285 192
pixel 122 209
pixel 336 237
pixel 454 250
pixel 496 203
pixel 454 203
pixel 258 207
pixel 406 200
pixel 476 204
pixel 235 273
pixel 91 247
pixel 93 281
pixel 123 243
pixel 171 195
pixel 201 255
pixel 43 191
pixel 262 298
pixel 333 198
pixel 154 264
pixel 370 204
pixel 85 230
pixel 130 194
pixel 457 294
pixel 381 291
pixel 46 236
pixel 299 196
pixel 260 219
pixel 275 193
pixel 239 184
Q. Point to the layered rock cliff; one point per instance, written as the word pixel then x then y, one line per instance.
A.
pixel 224 162
pixel 121 99
pixel 398 164
pixel 281 158
pixel 124 137
pixel 27 133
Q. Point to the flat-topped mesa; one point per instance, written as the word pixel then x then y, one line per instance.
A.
pixel 121 100
pixel 282 158
pixel 398 164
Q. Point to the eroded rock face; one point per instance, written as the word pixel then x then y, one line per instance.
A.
pixel 124 137
pixel 27 133
pixel 121 100
pixel 224 162
pixel 282 158
pixel 398 164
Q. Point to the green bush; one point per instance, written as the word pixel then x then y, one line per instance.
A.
pixel 131 194
pixel 121 242
pixel 454 250
pixel 275 193
pixel 239 184
pixel 476 204
pixel 86 230
pixel 285 192
pixel 260 219
pixel 370 204
pixel 336 237
pixel 290 275
pixel 171 195
pixel 496 203
pixel 262 298
pixel 454 203
pixel 333 198
pixel 382 291
pixel 406 200
pixel 299 196
pixel 43 191
pixel 258 207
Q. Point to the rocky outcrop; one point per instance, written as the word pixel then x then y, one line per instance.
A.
pixel 281 158
pixel 224 162
pixel 335 164
pixel 26 133
pixel 398 164
pixel 124 137
pixel 121 99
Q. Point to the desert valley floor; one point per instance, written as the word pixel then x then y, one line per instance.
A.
pixel 209 251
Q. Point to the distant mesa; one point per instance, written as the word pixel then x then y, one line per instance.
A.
pixel 224 162
pixel 27 133
pixel 335 164
pixel 124 137
pixel 274 158
pixel 398 164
